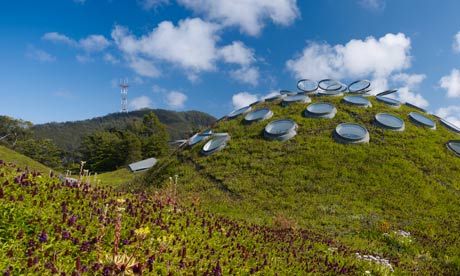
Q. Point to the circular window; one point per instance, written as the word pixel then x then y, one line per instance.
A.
pixel 359 86
pixel 419 119
pixel 256 103
pixel 288 92
pixel 330 93
pixel 416 107
pixel 198 137
pixel 387 92
pixel 296 98
pixel 274 98
pixel 258 115
pixel 215 144
pixel 320 110
pixel 389 121
pixel 306 85
pixel 351 133
pixel 330 85
pixel 450 126
pixel 454 145
pixel 388 101
pixel 280 130
pixel 357 100
pixel 236 113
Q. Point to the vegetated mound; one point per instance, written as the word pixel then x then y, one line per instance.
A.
pixel 360 193
pixel 68 135
pixel 49 227
pixel 21 160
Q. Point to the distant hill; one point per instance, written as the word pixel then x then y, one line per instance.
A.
pixel 68 135
pixel 8 155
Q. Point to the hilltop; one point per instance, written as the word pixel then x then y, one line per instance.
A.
pixel 68 135
pixel 360 194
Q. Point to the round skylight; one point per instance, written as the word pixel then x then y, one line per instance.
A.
pixel 274 98
pixel 450 126
pixel 387 92
pixel 330 85
pixel 359 86
pixel 236 113
pixel 296 98
pixel 388 101
pixel 416 107
pixel 389 121
pixel 215 144
pixel 306 85
pixel 454 145
pixel 351 133
pixel 357 100
pixel 280 130
pixel 421 120
pixel 257 102
pixel 198 137
pixel 320 110
pixel 288 92
pixel 258 115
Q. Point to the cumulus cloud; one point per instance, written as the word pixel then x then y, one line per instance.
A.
pixel 91 43
pixel 374 5
pixel 456 43
pixel 377 58
pixel 451 114
pixel 249 16
pixel 243 99
pixel 110 58
pixel 152 4
pixel 84 58
pixel 143 67
pixel 140 102
pixel 451 83
pixel 39 55
pixel 176 99
pixel 248 75
pixel 410 83
pixel 237 53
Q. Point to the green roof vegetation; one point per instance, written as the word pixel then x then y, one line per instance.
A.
pixel 20 160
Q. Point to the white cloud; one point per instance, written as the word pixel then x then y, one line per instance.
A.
pixel 410 83
pixel 374 5
pixel 94 43
pixel 84 58
pixel 39 55
pixel 176 99
pixel 243 99
pixel 456 43
pixel 451 114
pixel 151 4
pixel 237 53
pixel 248 75
pixel 110 58
pixel 91 43
pixel 58 38
pixel 451 83
pixel 374 58
pixel 143 67
pixel 140 102
pixel 249 16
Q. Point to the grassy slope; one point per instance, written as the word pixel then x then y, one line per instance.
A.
pixel 116 178
pixel 401 180
pixel 20 160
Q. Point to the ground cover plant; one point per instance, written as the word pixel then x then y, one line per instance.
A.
pixel 358 194
pixel 68 228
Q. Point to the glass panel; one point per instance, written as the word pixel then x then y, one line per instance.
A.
pixel 422 119
pixel 351 131
pixel 280 127
pixel 389 120
pixel 358 100
pixel 320 108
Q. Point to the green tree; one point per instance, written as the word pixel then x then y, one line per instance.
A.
pixel 13 130
pixel 155 137
pixel 103 151
pixel 41 150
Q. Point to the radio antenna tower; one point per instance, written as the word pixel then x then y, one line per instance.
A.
pixel 124 95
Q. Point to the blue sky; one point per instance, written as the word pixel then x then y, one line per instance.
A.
pixel 62 60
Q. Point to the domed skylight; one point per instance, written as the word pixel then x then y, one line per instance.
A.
pixel 198 137
pixel 330 85
pixel 258 115
pixel 421 120
pixel 288 92
pixel 416 107
pixel 359 86
pixel 331 93
pixel 215 144
pixel 306 85
pixel 388 101
pixel 389 121
pixel 351 133
pixel 280 130
pixel 454 145
pixel 320 110
pixel 274 98
pixel 357 101
pixel 236 113
pixel 296 98
pixel 450 126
